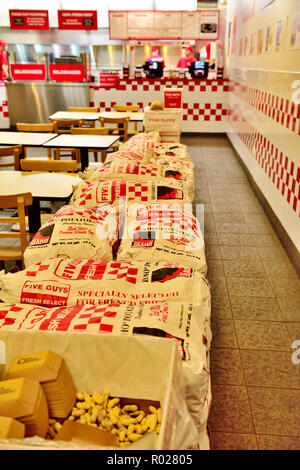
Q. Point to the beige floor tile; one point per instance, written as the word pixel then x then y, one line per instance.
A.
pixel 223 332
pixel 215 268
pixel 209 223
pixel 272 253
pixel 230 411
pixel 218 287
pixel 244 268
pixel 270 369
pixel 290 307
pixel 278 443
pixel 212 252
pixel 231 218
pixel 294 329
pixel 253 207
pixel 226 367
pixel 255 308
pixel 285 287
pixel 280 268
pixel 232 441
pixel 239 253
pixel 211 238
pixel 235 240
pixel 225 207
pixel 275 411
pixel 249 287
pixel 265 239
pixel 220 307
pixel 227 227
pixel 262 335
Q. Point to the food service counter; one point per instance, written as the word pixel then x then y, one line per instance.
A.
pixel 204 102
pixel 34 102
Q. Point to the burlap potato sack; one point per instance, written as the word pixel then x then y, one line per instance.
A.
pixel 162 232
pixel 69 282
pixel 139 172
pixel 152 136
pixel 125 156
pixel 92 233
pixel 92 194
pixel 184 321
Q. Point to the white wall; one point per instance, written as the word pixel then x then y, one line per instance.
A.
pixel 264 124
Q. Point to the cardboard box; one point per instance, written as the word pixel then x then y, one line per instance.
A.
pixel 166 122
pixel 135 367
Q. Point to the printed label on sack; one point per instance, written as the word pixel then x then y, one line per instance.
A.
pixel 162 334
pixel 43 236
pixel 164 192
pixel 168 273
pixel 46 293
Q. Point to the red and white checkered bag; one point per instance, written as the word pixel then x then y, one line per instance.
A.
pixel 93 233
pixel 70 282
pixel 162 232
pixel 91 194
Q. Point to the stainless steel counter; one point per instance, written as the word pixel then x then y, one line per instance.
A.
pixel 34 102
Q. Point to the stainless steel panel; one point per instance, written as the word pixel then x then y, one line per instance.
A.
pixel 34 102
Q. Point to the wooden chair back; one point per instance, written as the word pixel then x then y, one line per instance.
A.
pixel 50 165
pixel 19 201
pixel 11 151
pixel 127 108
pixel 26 127
pixel 63 126
pixel 121 127
pixel 90 130
pixel 74 109
pixel 130 109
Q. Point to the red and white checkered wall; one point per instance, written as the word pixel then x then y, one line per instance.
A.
pixel 205 102
pixel 265 129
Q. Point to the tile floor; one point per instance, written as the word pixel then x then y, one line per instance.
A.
pixel 255 309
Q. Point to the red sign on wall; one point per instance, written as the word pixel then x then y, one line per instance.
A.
pixel 28 19
pixel 28 71
pixel 109 80
pixel 67 72
pixel 77 19
pixel 172 98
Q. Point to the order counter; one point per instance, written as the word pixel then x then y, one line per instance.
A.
pixel 204 101
pixel 34 102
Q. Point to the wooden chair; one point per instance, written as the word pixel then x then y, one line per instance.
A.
pixel 121 128
pixel 11 151
pixel 50 165
pixel 28 127
pixel 63 126
pixel 129 109
pixel 92 109
pixel 92 131
pixel 18 201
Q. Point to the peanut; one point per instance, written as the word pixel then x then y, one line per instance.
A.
pixel 113 402
pixel 159 415
pixel 134 436
pixel 80 396
pixel 152 409
pixel 57 426
pixel 76 412
pixel 129 408
pixel 152 422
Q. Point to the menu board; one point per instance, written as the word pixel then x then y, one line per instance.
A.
pixel 77 19
pixel 67 72
pixel 28 19
pixel 209 25
pixel 202 24
pixel 118 25
pixel 190 22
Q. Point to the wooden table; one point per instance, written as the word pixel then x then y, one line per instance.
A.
pixel 43 187
pixel 84 143
pixel 95 116
pixel 27 139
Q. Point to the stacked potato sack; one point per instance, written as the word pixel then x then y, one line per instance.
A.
pixel 72 230
pixel 154 283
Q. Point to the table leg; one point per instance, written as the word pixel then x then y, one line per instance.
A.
pixel 34 216
pixel 84 154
